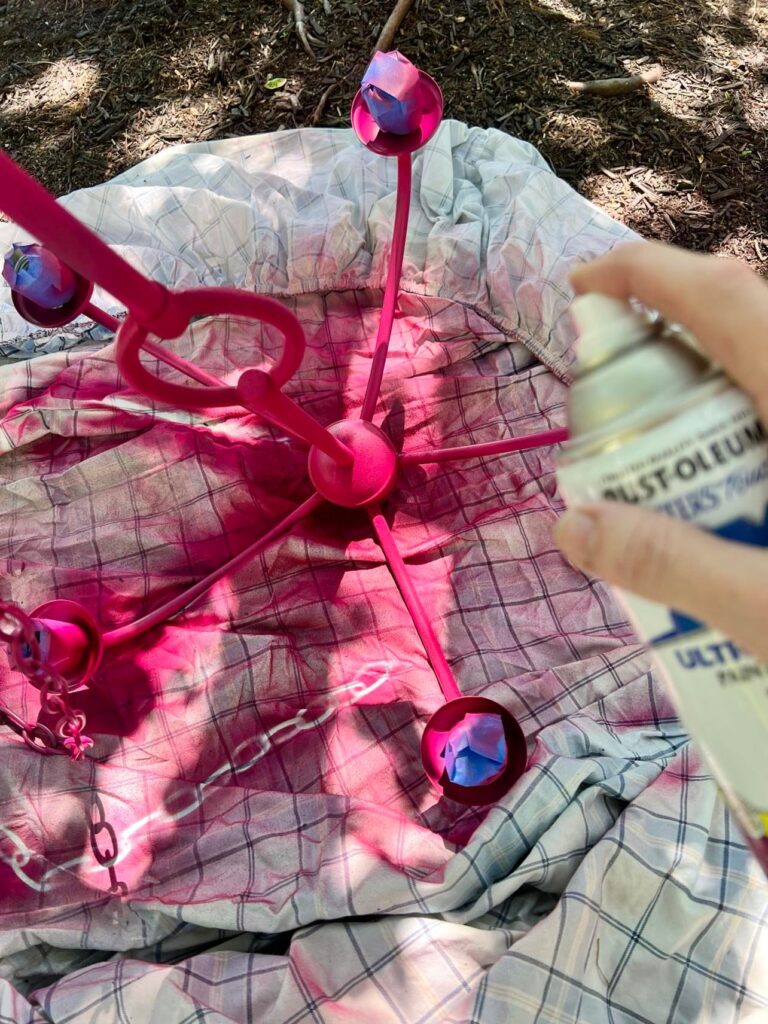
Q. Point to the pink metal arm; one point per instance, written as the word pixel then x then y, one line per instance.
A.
pixel 392 287
pixel 182 364
pixel 397 566
pixel 33 208
pixel 201 302
pixel 258 391
pixel 152 307
pixel 100 316
pixel 472 451
pixel 125 634
pixel 255 389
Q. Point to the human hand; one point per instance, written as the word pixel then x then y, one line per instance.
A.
pixel 719 582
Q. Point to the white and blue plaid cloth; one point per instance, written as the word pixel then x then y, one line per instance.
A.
pixel 276 854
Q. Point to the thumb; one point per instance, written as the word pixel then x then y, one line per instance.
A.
pixel 721 583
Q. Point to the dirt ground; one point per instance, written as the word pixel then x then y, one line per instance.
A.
pixel 89 87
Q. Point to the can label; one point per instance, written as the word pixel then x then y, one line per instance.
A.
pixel 707 465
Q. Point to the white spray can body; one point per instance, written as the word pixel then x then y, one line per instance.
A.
pixel 653 423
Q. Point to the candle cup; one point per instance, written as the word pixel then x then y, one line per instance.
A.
pixel 414 107
pixel 437 734
pixel 69 640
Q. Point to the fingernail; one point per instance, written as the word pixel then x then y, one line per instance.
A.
pixel 576 534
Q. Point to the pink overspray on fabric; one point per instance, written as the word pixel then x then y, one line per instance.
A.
pixel 472 748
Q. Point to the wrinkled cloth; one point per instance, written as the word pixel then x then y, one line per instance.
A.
pixel 269 847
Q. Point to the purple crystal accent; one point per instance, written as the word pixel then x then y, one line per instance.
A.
pixel 390 88
pixel 476 750
pixel 39 276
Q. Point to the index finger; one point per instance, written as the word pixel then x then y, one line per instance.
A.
pixel 721 301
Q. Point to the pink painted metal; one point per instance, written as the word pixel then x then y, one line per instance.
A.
pixel 257 391
pixel 100 316
pixel 435 737
pixel 407 589
pixel 351 464
pixel 540 439
pixel 375 138
pixel 392 287
pixel 151 306
pixel 27 203
pixel 202 302
pixel 41 316
pixel 171 359
pixel 372 474
pixel 126 634
pixel 73 640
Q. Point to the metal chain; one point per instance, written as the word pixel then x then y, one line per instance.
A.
pixel 67 736
pixel 108 857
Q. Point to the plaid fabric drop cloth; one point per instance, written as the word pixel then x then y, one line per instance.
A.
pixel 278 853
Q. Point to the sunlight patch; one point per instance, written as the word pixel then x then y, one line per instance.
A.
pixel 66 82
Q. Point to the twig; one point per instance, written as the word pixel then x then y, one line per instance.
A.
pixel 296 7
pixel 392 24
pixel 616 86
pixel 321 105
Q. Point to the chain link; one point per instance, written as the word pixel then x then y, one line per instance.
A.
pixel 108 857
pixel 68 736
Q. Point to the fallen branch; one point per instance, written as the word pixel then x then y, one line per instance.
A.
pixel 392 24
pixel 296 7
pixel 616 86
pixel 320 108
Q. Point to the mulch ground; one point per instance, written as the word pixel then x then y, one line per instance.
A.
pixel 89 87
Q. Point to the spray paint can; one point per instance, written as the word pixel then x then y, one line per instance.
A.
pixel 654 423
